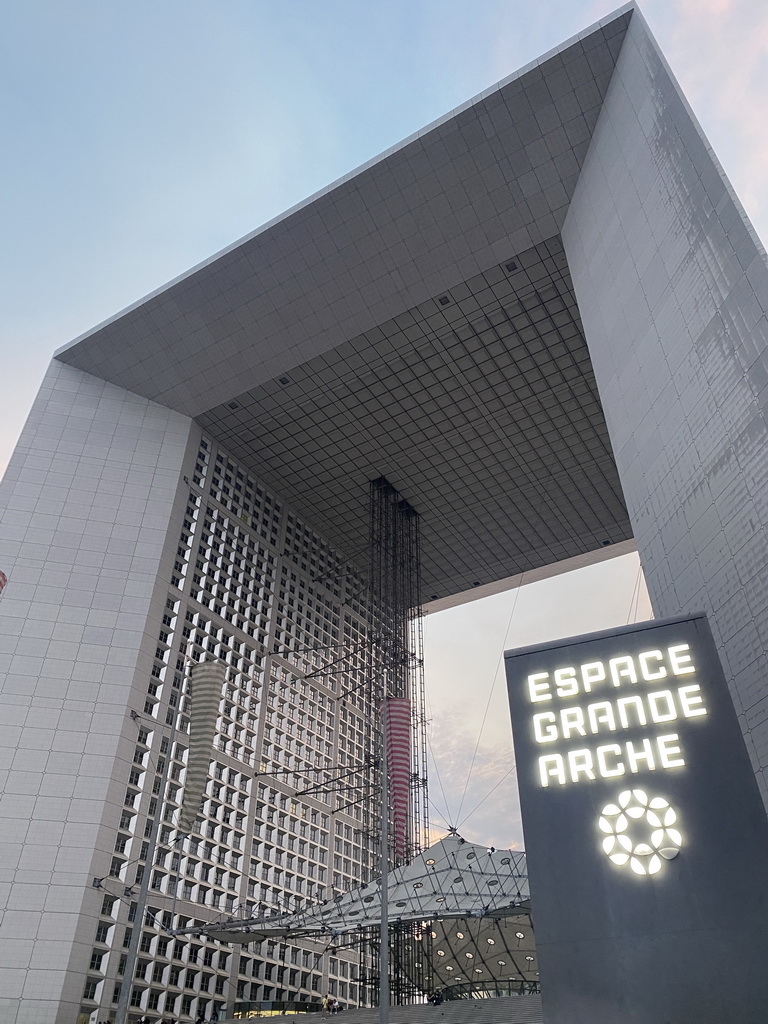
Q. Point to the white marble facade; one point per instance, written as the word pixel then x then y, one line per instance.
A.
pixel 593 147
pixel 86 505
pixel 672 284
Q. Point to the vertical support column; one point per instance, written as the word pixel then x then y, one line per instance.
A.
pixel 384 884
pixel 396 672
pixel 672 285
pixel 86 508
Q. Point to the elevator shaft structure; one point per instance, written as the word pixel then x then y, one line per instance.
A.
pixel 395 675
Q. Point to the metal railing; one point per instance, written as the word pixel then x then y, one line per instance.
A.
pixel 492 989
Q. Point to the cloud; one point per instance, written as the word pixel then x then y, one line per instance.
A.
pixel 470 733
pixel 701 8
pixel 473 784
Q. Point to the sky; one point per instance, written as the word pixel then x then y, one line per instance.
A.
pixel 139 138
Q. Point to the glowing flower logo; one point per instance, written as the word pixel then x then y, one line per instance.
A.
pixel 639 831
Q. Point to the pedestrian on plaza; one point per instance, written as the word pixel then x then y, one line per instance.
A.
pixel 325 1004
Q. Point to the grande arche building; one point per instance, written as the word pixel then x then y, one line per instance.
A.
pixel 542 319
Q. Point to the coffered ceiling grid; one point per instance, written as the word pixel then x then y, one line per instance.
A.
pixel 479 405
pixel 377 328
pixel 490 179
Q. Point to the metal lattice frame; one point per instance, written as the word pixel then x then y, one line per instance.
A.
pixel 396 656
pixel 452 880
pixel 396 669
pixel 391 659
pixel 479 939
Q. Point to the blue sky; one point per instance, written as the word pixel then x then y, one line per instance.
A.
pixel 141 137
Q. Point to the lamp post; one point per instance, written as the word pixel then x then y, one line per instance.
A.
pixel 384 922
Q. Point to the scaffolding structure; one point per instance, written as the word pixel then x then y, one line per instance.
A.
pixel 395 634
pixel 386 662
pixel 395 669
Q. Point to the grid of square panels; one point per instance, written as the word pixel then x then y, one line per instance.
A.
pixel 480 406
pixel 243 589
pixel 676 284
pixel 490 179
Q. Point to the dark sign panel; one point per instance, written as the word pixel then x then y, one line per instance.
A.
pixel 646 836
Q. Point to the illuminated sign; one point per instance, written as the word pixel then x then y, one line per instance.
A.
pixel 662 839
pixel 645 833
pixel 652 689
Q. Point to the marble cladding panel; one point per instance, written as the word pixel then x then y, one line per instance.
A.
pixel 490 180
pixel 84 513
pixel 672 284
